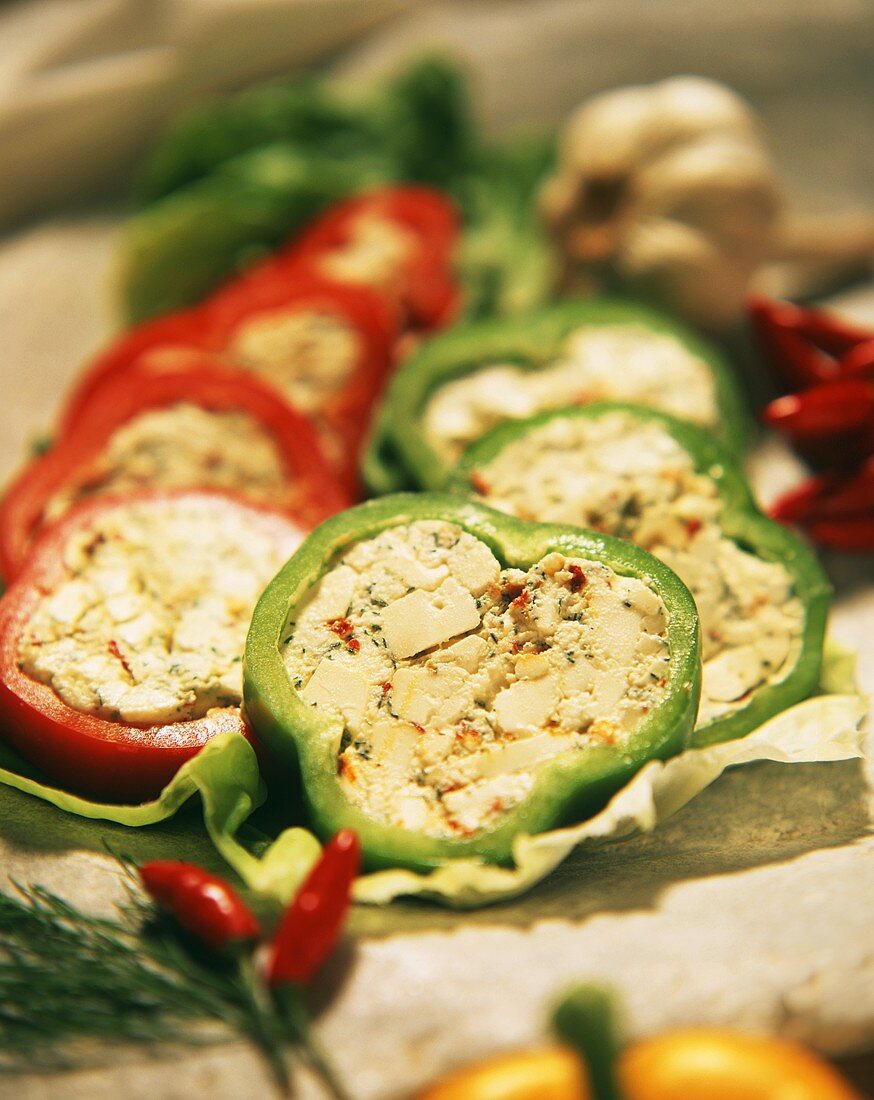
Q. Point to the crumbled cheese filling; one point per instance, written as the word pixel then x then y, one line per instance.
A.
pixel 373 253
pixel 598 363
pixel 457 680
pixel 633 479
pixel 148 623
pixel 181 446
pixel 306 354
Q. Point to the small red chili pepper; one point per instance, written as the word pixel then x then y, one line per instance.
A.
pixel 795 359
pixel 830 422
pixel 858 362
pixel 827 331
pixel 203 904
pixel 829 496
pixel 854 533
pixel 835 408
pixel 311 926
pixel 800 503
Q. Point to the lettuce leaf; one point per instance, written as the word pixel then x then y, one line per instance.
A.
pixel 225 775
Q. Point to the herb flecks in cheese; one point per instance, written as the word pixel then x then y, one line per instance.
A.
pixel 597 363
pixel 457 679
pixel 182 446
pixel 307 354
pixel 628 478
pixel 149 622
pixel 374 253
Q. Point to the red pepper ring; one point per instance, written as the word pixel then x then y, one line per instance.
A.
pixel 312 923
pixel 204 905
pixel 425 287
pixel 84 752
pixel 346 413
pixel 312 494
pixel 168 334
pixel 212 326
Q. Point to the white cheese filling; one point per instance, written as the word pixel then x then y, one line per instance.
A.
pixel 457 679
pixel 308 355
pixel 148 624
pixel 598 363
pixel 632 479
pixel 181 446
pixel 373 254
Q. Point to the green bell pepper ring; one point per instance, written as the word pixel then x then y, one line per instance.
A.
pixel 381 469
pixel 532 342
pixel 568 787
pixel 739 520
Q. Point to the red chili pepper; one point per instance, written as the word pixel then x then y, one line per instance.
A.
pixel 793 357
pixel 835 408
pixel 830 496
pixel 800 503
pixel 203 904
pixel 311 492
pixel 858 362
pixel 827 331
pixel 831 422
pixel 311 926
pixel 855 533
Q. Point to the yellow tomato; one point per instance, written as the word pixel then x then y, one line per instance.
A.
pixel 714 1064
pixel 695 1064
pixel 551 1073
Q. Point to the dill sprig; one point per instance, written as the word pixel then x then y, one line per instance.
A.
pixel 67 977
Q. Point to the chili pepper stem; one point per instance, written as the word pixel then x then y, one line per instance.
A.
pixel 289 999
pixel 585 1020
pixel 267 1031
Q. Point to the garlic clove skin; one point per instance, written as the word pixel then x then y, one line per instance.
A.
pixel 671 188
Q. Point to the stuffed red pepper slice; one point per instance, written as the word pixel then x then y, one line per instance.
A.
pixel 157 342
pixel 196 423
pixel 398 240
pixel 326 347
pixel 121 640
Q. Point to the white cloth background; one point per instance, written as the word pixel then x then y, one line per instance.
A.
pixel 84 84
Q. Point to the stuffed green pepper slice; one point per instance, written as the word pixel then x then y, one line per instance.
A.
pixel 464 382
pixel 448 676
pixel 640 475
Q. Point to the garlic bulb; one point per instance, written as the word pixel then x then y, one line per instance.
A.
pixel 668 189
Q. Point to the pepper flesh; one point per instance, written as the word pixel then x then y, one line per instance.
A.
pixel 203 904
